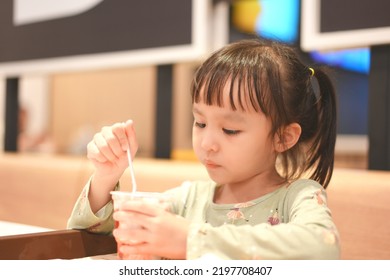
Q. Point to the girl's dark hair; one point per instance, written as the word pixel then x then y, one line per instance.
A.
pixel 271 77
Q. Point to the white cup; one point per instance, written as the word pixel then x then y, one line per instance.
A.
pixel 119 197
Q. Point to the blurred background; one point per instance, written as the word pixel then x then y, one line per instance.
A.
pixel 61 109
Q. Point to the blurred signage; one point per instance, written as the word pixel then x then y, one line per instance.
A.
pixel 57 35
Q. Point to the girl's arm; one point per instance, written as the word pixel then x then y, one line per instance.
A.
pixel 108 153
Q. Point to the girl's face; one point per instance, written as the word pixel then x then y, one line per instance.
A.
pixel 234 146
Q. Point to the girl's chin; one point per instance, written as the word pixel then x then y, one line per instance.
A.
pixel 217 178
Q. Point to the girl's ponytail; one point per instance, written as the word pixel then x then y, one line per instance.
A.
pixel 321 153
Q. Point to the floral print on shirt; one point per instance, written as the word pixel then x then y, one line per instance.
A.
pixel 274 218
pixel 235 213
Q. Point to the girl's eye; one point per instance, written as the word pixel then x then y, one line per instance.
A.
pixel 230 132
pixel 200 125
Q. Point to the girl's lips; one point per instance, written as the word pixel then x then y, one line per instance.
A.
pixel 210 164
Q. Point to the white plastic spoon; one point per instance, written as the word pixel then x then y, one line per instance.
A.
pixel 133 183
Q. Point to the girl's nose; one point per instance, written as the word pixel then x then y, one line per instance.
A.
pixel 208 142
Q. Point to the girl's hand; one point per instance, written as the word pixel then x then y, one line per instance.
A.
pixel 107 150
pixel 161 233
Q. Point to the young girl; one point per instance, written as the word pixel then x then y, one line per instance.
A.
pixel 259 126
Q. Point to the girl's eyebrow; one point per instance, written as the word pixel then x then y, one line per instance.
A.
pixel 196 111
pixel 234 117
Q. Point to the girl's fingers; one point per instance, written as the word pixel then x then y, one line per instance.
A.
pixel 129 218
pixel 135 235
pixel 94 154
pixel 145 215
pixel 103 147
pixel 111 142
pixel 115 136
pixel 119 132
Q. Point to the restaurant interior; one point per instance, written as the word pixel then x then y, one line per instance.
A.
pixel 50 108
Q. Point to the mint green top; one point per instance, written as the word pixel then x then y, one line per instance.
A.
pixel 292 222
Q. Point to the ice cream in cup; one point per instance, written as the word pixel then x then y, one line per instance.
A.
pixel 160 199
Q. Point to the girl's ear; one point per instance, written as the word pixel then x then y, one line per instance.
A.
pixel 290 136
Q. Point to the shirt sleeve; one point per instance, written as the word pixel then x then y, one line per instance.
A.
pixel 309 233
pixel 82 216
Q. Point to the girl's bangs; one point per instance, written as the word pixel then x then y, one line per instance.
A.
pixel 244 94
